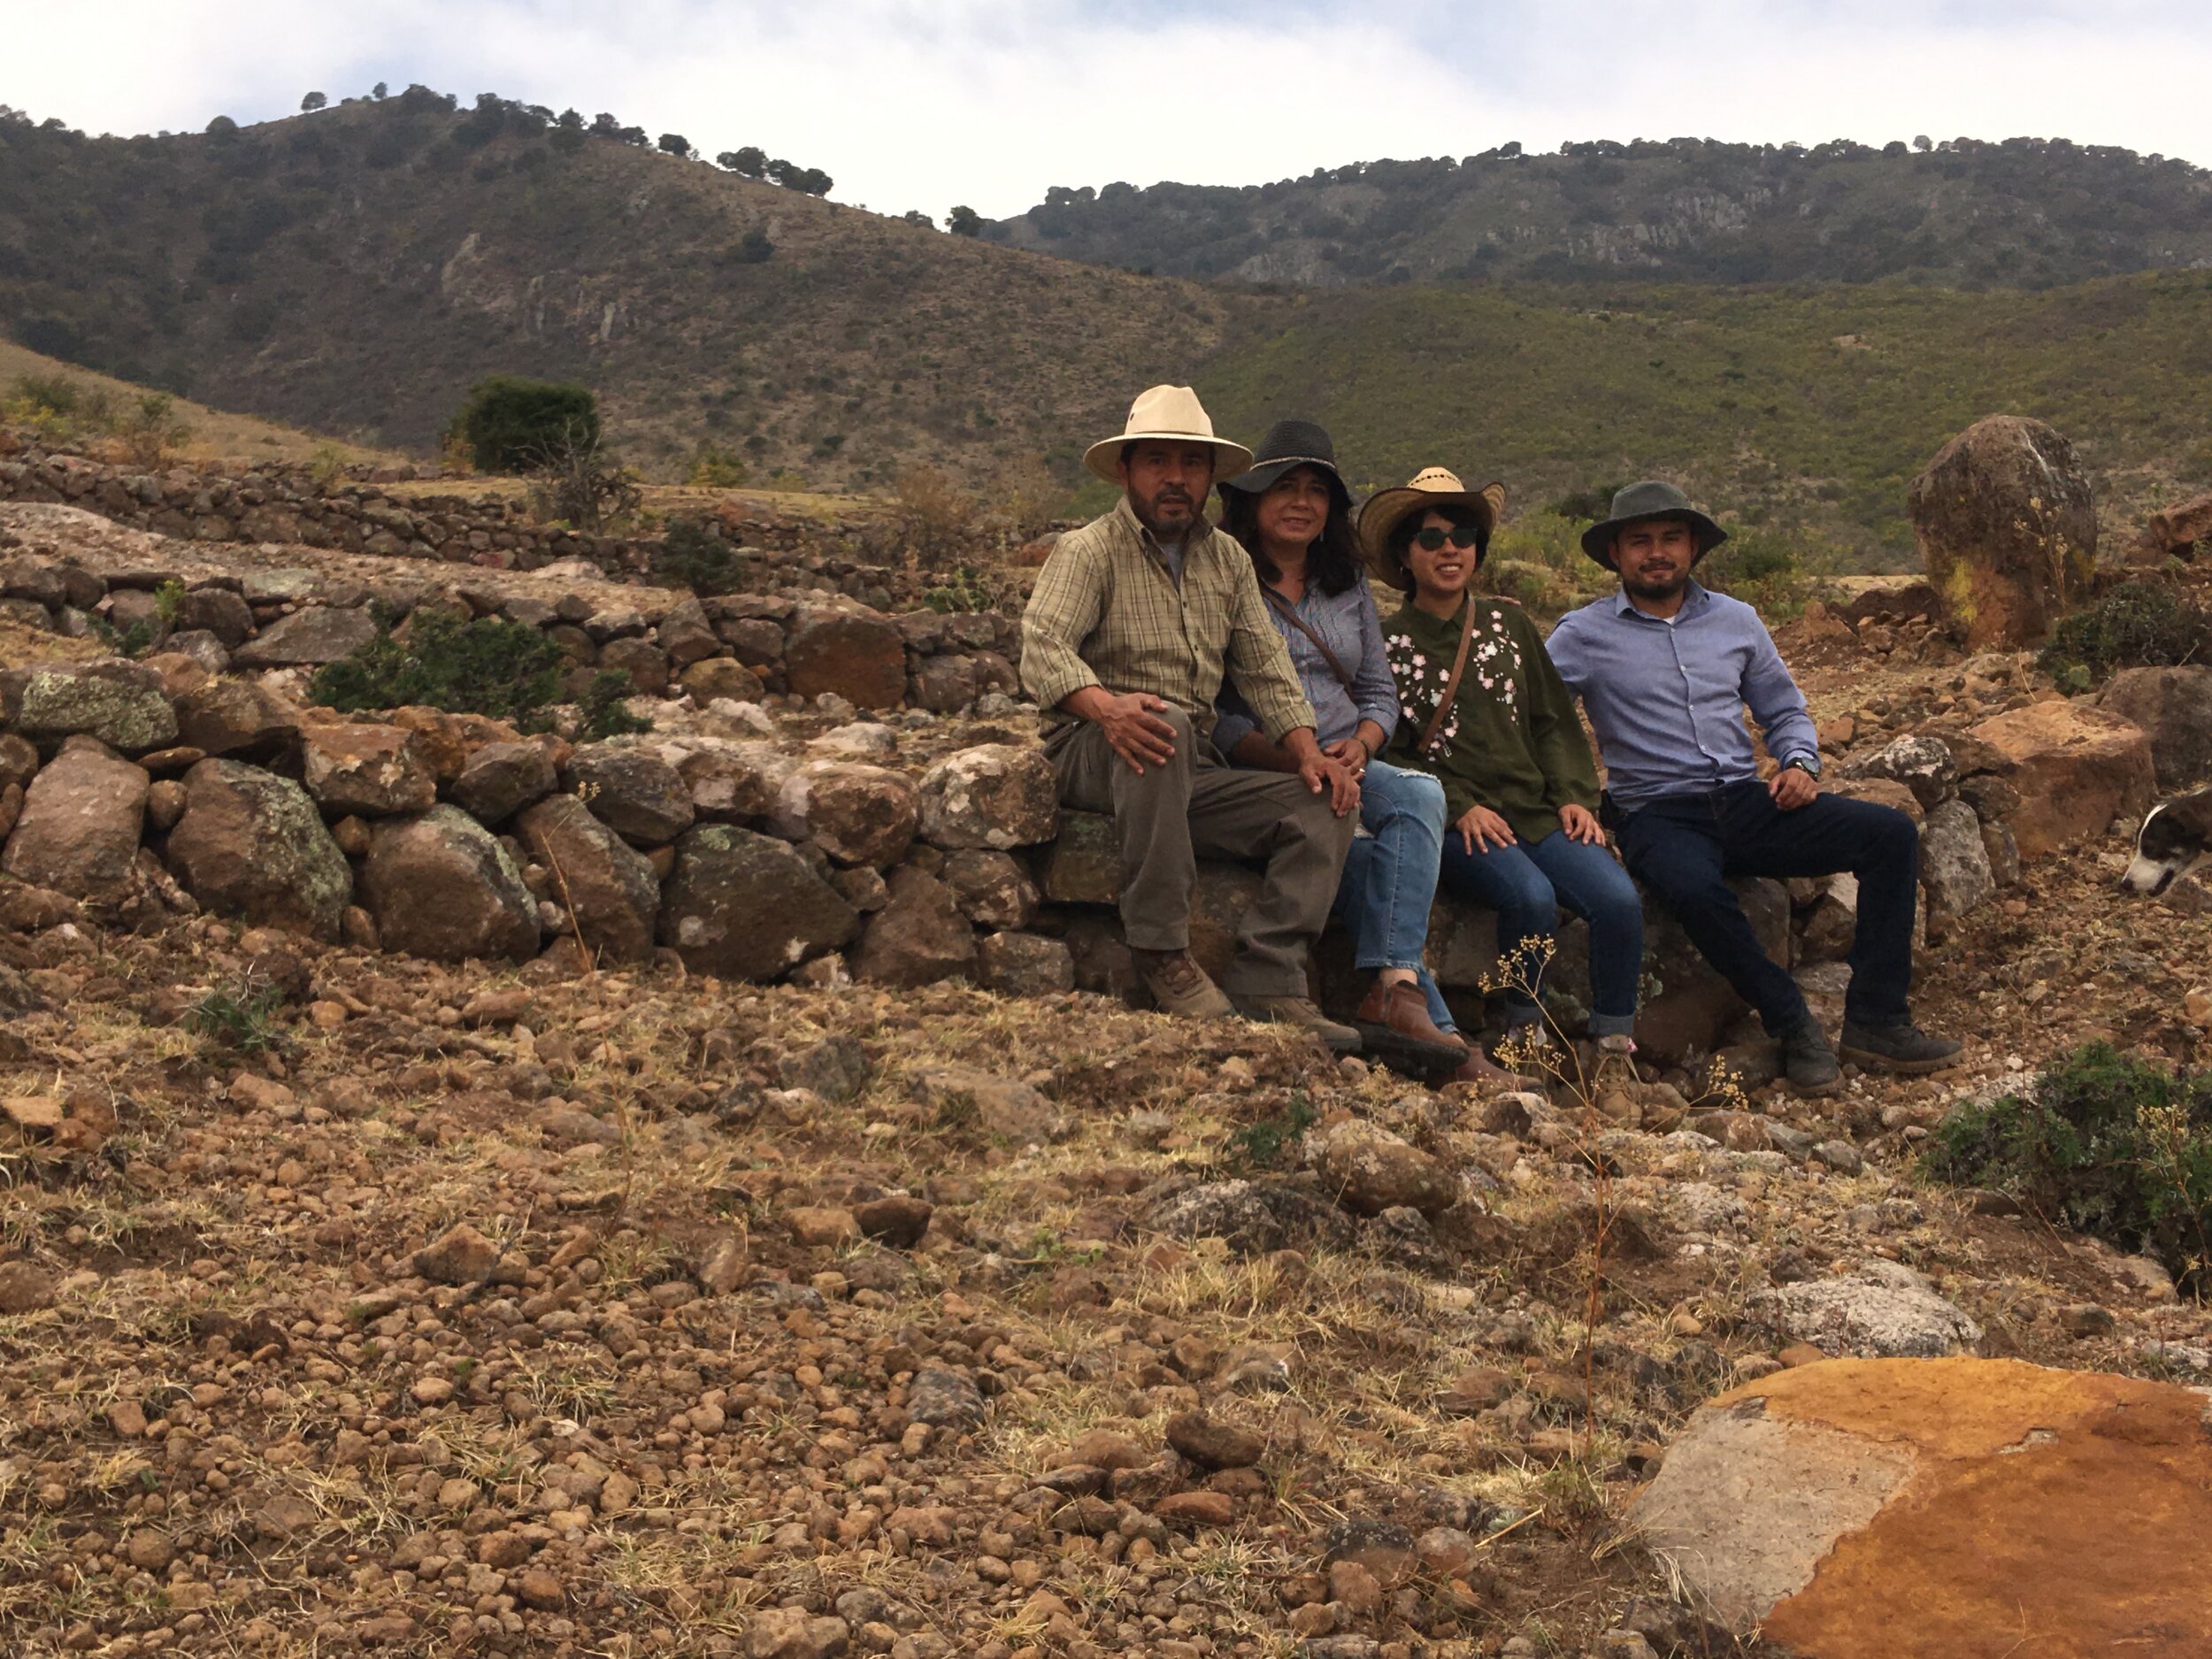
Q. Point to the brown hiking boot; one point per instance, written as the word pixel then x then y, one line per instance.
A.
pixel 1300 1010
pixel 1180 987
pixel 1403 1009
pixel 1481 1068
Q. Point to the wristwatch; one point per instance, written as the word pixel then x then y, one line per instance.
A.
pixel 1809 765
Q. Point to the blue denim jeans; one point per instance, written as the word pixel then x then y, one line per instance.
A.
pixel 1526 884
pixel 1389 879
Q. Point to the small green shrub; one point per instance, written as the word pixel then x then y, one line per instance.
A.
pixel 2110 1145
pixel 716 468
pixel 692 556
pixel 514 425
pixel 1261 1145
pixel 966 589
pixel 605 713
pixel 241 1016
pixel 2136 625
pixel 507 669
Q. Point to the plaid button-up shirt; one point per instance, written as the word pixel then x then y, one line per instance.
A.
pixel 1106 611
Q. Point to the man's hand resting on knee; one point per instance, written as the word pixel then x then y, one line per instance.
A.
pixel 1132 724
pixel 1792 787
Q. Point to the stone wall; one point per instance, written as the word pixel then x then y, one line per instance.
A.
pixel 283 503
pixel 797 640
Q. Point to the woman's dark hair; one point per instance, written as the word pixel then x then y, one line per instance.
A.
pixel 1458 514
pixel 1331 564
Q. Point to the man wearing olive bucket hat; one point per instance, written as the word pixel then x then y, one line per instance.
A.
pixel 1665 668
pixel 1134 620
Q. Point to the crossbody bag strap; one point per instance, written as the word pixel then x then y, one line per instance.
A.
pixel 1450 693
pixel 1283 608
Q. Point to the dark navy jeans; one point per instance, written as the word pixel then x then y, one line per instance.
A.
pixel 1526 883
pixel 1685 847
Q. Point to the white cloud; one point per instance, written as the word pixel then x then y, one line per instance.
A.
pixel 987 102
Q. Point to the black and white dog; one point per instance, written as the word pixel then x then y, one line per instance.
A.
pixel 2176 839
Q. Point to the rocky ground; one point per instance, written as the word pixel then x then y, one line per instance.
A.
pixel 625 1313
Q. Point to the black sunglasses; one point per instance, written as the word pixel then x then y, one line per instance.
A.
pixel 1463 536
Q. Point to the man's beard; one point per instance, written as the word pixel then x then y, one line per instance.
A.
pixel 1647 587
pixel 1155 519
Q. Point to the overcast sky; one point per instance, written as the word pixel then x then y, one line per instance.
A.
pixel 925 102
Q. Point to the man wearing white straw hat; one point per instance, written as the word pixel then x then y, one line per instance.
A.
pixel 1134 621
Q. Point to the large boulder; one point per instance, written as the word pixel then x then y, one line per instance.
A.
pixel 308 638
pixel 746 907
pixel 731 781
pixel 919 937
pixel 499 779
pixel 2174 708
pixel 856 814
pixel 1918 1508
pixel 1084 866
pixel 858 655
pixel 996 796
pixel 1368 1170
pixel 83 816
pixel 251 845
pixel 440 885
pixel 633 791
pixel 605 884
pixel 2007 529
pixel 1883 1311
pixel 364 770
pixel 1953 862
pixel 2079 768
pixel 120 703
pixel 2176 531
pixel 239 718
pixel 991 887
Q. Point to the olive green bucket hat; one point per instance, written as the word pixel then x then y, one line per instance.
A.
pixel 1649 500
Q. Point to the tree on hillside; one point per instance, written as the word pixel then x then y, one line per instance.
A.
pixel 380 90
pixel 222 129
pixel 514 425
pixel 677 144
pixel 964 221
pixel 313 101
pixel 915 216
pixel 747 163
pixel 605 125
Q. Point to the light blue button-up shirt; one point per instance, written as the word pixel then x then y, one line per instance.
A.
pixel 1666 697
pixel 1349 622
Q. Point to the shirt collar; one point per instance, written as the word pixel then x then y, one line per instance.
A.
pixel 1148 543
pixel 1696 598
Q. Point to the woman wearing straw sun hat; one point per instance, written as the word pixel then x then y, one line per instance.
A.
pixel 1483 709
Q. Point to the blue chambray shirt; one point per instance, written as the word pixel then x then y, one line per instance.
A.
pixel 1350 623
pixel 1666 698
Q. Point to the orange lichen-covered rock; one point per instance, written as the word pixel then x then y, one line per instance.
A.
pixel 1896 1508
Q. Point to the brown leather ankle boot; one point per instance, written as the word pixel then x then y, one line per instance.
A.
pixel 1401 1007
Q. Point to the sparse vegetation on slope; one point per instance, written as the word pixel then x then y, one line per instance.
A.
pixel 2027 212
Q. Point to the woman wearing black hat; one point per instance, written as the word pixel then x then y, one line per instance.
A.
pixel 1293 513
pixel 1485 712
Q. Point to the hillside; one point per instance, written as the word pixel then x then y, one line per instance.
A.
pixel 354 270
pixel 99 404
pixel 1808 410
pixel 358 269
pixel 2023 213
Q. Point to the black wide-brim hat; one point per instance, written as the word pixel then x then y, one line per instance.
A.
pixel 1649 500
pixel 1288 444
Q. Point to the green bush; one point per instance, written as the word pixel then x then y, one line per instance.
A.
pixel 513 425
pixel 507 669
pixel 605 714
pixel 693 556
pixel 966 589
pixel 2136 625
pixel 2109 1145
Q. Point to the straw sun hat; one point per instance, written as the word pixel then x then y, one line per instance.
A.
pixel 1431 488
pixel 1174 415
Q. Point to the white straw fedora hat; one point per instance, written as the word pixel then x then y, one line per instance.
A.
pixel 1172 413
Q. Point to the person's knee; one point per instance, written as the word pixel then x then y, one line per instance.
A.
pixel 1891 836
pixel 1417 796
pixel 1616 902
